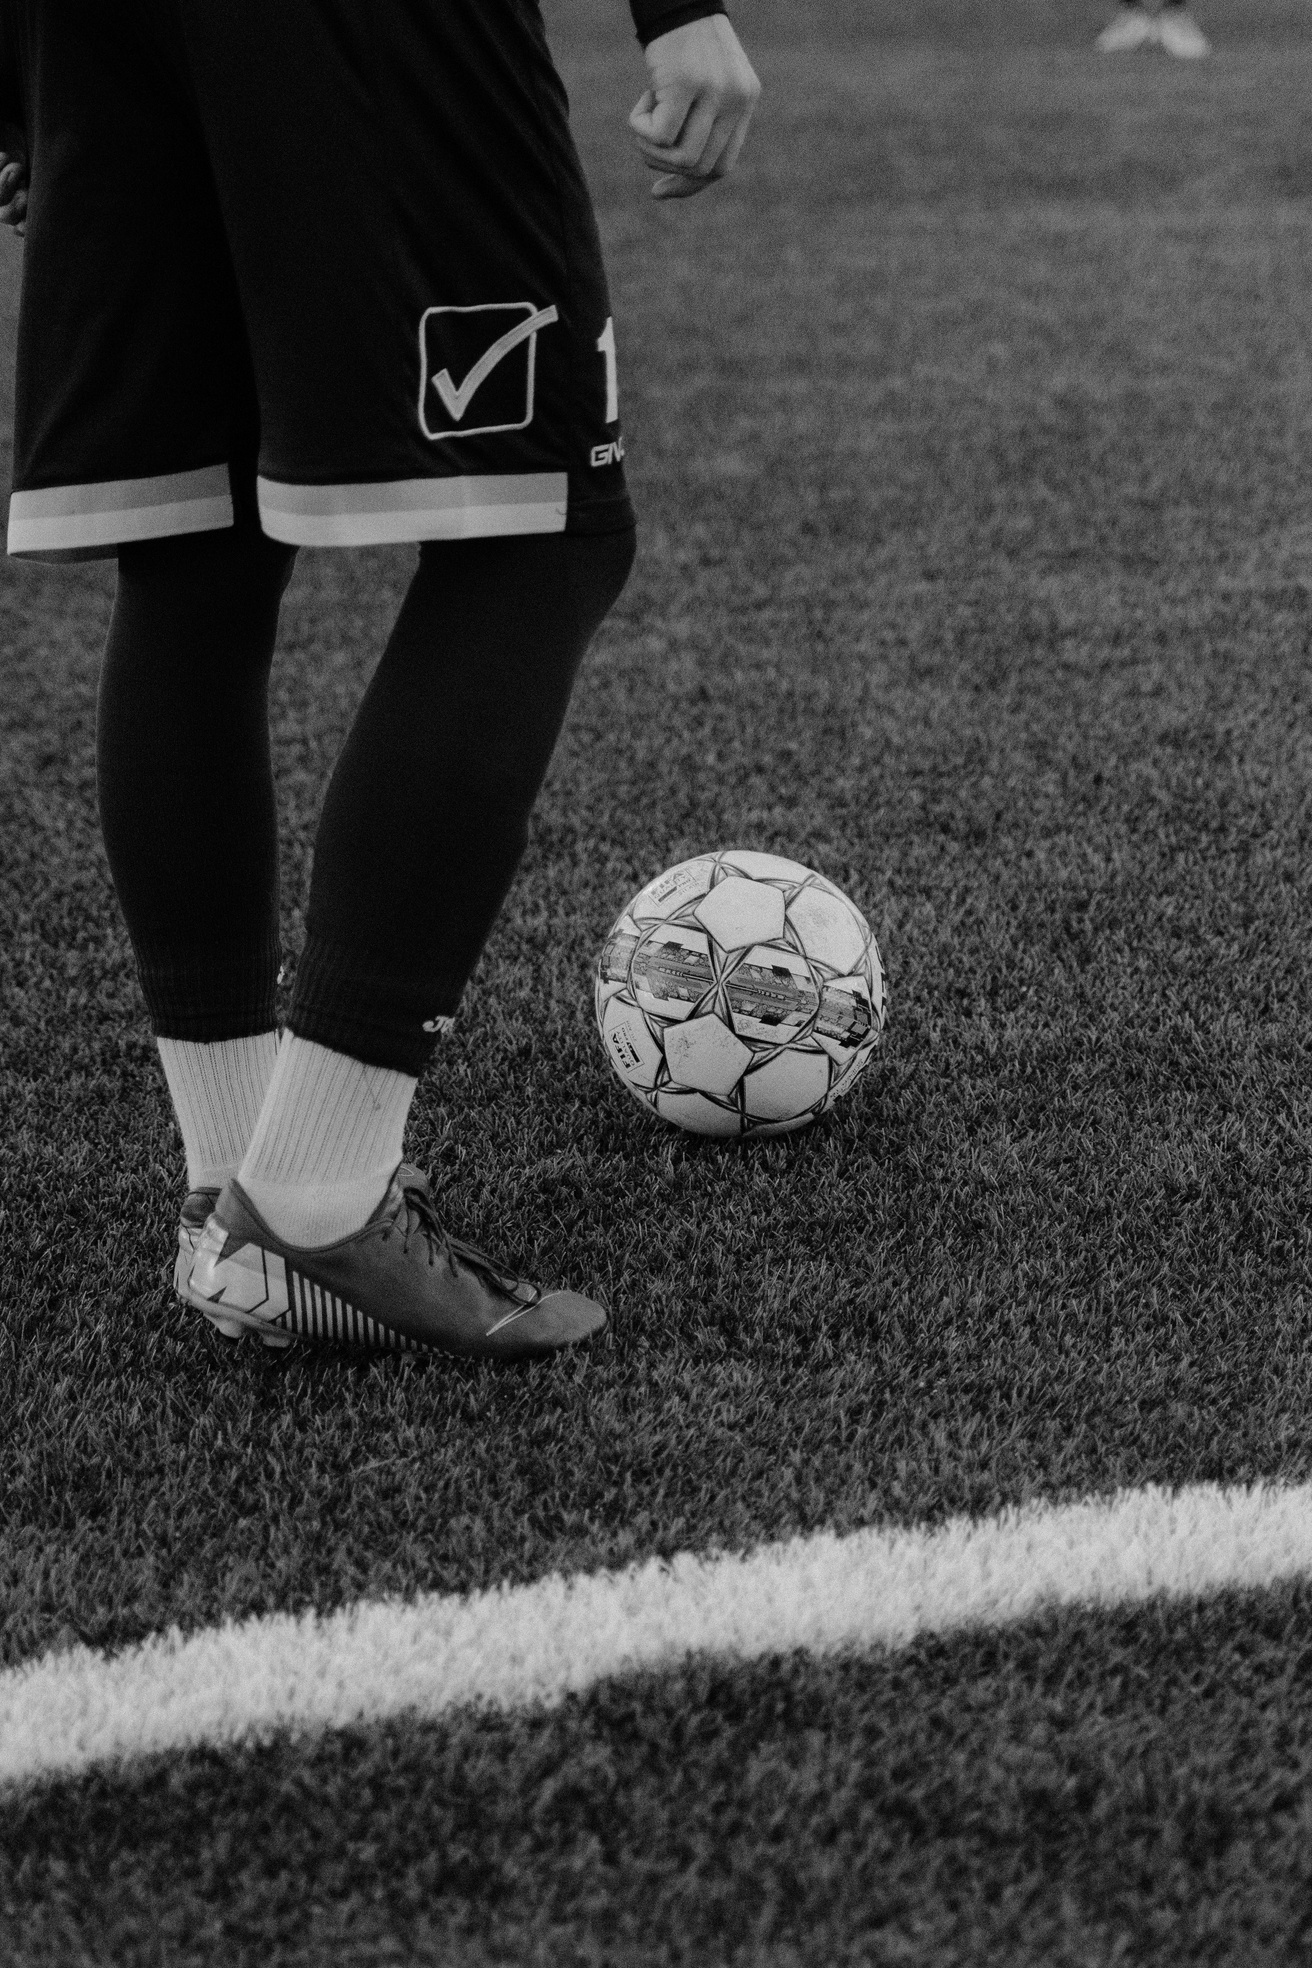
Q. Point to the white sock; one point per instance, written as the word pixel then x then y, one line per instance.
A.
pixel 217 1092
pixel 326 1144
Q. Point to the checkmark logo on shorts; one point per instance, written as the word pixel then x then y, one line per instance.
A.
pixel 457 401
pixel 453 340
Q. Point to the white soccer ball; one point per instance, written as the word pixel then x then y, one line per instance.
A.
pixel 740 994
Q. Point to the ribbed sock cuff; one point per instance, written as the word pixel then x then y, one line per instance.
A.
pixel 350 1002
pixel 211 994
pixel 217 1091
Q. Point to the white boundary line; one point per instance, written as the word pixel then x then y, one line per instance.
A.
pixel 517 1646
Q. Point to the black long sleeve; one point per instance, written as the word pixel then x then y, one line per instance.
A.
pixel 653 17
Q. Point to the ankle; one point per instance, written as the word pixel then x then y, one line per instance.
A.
pixel 327 1141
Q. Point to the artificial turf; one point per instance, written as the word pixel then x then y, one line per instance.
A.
pixel 1128 1788
pixel 969 429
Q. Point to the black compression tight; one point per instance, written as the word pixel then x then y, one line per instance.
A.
pixel 426 813
pixel 184 777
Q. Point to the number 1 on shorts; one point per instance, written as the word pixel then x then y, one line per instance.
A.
pixel 606 344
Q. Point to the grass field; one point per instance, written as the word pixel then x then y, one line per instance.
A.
pixel 971 431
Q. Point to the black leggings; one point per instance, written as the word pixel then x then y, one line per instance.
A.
pixel 426 813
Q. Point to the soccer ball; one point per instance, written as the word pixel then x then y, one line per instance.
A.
pixel 740 994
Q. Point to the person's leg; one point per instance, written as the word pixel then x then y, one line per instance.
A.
pixel 423 826
pixel 467 352
pixel 187 812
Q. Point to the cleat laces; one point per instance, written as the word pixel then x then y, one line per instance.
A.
pixel 421 1218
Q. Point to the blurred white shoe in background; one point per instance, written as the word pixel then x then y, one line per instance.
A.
pixel 1133 27
pixel 1180 34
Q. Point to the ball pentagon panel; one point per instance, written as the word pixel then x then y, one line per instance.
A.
pixel 763 867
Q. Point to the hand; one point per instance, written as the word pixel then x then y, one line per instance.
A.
pixel 692 122
pixel 13 178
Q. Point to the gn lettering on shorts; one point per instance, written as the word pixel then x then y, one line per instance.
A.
pixel 609 454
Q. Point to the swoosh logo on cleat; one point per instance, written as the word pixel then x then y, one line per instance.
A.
pixel 511 1317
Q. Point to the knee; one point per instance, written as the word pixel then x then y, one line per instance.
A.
pixel 237 572
pixel 603 563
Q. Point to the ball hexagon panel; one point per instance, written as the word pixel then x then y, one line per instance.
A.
pixel 846 1077
pixel 616 954
pixel 828 929
pixel 671 971
pixel 771 994
pixel 786 1086
pixel 672 890
pixel 847 1018
pixel 698 1114
pixel 631 1044
pixel 738 912
pixel 766 1130
pixel 706 1055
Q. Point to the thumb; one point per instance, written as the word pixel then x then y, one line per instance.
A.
pixel 658 120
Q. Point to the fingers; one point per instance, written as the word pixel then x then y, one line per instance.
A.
pixel 707 148
pixel 684 151
pixel 717 160
pixel 659 121
pixel 706 152
pixel 692 122
pixel 13 177
pixel 13 192
pixel 13 189
pixel 673 186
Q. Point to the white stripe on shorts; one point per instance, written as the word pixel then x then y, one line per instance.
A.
pixel 413 509
pixel 63 518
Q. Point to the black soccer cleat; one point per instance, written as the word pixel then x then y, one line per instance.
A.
pixel 401 1283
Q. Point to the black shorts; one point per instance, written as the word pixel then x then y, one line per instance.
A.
pixel 332 259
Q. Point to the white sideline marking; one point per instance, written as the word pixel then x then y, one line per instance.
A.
pixel 517 1646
